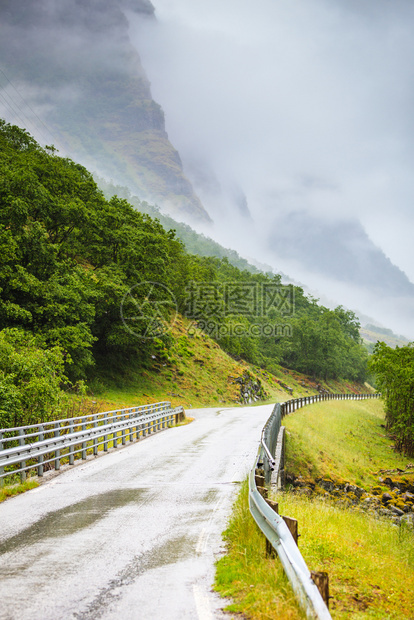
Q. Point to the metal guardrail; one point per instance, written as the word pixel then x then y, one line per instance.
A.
pixel 273 525
pixel 33 446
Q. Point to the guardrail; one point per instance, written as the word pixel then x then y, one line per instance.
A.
pixel 268 468
pixel 33 446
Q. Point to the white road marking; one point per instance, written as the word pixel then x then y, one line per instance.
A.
pixel 202 541
pixel 202 603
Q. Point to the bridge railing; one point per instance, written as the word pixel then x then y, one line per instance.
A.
pixel 35 446
pixel 268 468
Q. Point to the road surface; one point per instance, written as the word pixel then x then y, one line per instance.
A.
pixel 133 534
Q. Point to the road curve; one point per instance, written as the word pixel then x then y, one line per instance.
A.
pixel 133 534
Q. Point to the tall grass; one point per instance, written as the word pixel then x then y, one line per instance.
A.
pixel 257 585
pixel 343 439
pixel 370 562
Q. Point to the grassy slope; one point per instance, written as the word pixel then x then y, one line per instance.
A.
pixel 370 562
pixel 196 372
pixel 342 439
pixel 392 340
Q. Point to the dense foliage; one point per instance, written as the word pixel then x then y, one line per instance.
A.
pixel 394 370
pixel 72 260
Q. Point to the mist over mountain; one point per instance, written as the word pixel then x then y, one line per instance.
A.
pixel 73 78
pixel 289 125
pixel 306 108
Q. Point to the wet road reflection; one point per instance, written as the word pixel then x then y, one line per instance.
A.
pixel 134 534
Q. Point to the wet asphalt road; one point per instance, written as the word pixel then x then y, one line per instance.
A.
pixel 133 534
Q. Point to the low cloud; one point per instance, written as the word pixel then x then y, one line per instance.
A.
pixel 305 105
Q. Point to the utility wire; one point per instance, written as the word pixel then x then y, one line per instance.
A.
pixel 27 121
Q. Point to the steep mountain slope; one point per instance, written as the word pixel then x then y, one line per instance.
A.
pixel 341 250
pixel 70 65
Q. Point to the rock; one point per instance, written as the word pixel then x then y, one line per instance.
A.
pixel 408 519
pixel 384 512
pixel 397 511
pixel 386 498
pixel 352 488
pixel 328 485
pixel 367 501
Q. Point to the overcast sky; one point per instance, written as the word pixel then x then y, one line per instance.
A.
pixel 305 104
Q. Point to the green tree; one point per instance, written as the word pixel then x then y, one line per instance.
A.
pixel 394 372
pixel 31 378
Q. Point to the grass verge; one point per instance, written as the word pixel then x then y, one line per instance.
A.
pixel 257 585
pixel 15 489
pixel 342 439
pixel 370 562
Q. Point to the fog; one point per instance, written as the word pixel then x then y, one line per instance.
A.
pixel 305 107
pixel 293 119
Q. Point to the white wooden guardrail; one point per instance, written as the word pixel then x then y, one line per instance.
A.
pixel 268 470
pixel 30 447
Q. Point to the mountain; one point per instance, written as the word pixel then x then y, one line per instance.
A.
pixel 341 250
pixel 70 74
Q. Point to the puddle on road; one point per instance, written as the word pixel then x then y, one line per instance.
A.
pixel 73 518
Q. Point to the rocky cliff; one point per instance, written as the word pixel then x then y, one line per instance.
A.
pixel 69 65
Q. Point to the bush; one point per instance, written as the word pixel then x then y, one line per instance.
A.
pixel 31 378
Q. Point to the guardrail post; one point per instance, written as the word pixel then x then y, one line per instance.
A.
pixel 57 452
pixel 72 447
pixel 22 463
pixel 293 527
pixel 270 551
pixel 40 458
pixel 105 420
pixel 114 434
pixel 321 580
pixel 1 468
pixel 123 417
pixel 95 441
pixel 131 428
pixel 84 442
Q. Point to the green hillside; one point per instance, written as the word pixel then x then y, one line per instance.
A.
pixel 92 291
pixel 373 333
